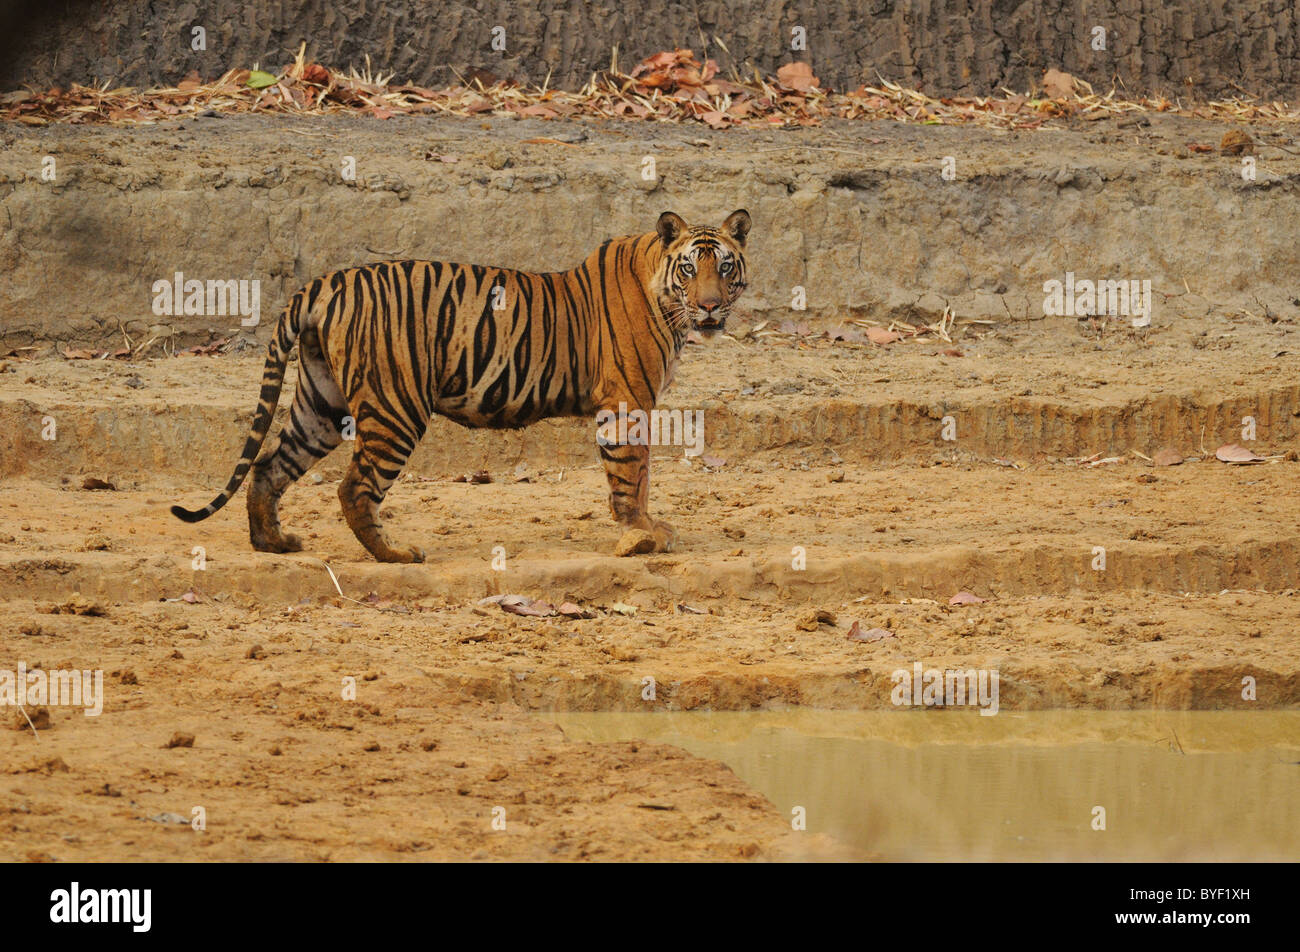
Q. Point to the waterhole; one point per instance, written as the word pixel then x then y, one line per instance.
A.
pixel 1051 785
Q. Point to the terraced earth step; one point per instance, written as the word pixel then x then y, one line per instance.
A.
pixel 1011 395
pixel 747 531
pixel 1231 651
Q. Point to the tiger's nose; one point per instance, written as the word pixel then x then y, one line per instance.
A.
pixel 710 304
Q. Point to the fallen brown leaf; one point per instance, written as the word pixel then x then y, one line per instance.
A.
pixel 797 76
pixel 1234 453
pixel 1058 84
pixel 856 633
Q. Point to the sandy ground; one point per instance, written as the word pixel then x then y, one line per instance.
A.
pixel 826 486
pixel 1197 593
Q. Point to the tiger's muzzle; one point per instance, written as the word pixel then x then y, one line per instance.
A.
pixel 710 316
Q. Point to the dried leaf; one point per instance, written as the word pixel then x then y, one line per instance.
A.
pixel 856 633
pixel 529 608
pixel 1234 453
pixel 798 76
pixel 315 73
pixel 1058 85
pixel 570 610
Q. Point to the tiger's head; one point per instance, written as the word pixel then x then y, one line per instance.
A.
pixel 703 271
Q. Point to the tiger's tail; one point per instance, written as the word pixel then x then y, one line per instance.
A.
pixel 277 356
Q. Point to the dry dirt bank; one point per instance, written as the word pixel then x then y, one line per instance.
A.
pixel 856 214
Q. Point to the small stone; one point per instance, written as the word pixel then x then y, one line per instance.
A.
pixel 635 542
pixel 811 619
pixel 39 717
pixel 1237 142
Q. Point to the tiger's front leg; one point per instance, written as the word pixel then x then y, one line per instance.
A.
pixel 627 467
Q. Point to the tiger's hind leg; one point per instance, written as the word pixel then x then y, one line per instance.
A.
pixel 382 451
pixel 314 428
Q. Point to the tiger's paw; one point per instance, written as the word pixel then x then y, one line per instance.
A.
pixel 665 536
pixel 408 555
pixel 283 542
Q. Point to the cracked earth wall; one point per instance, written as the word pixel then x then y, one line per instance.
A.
pixel 1198 48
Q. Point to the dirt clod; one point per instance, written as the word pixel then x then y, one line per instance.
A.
pixel 635 542
pixel 814 618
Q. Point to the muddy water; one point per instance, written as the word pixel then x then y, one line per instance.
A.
pixel 933 785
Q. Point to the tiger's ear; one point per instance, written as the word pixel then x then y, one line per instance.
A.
pixel 670 227
pixel 737 226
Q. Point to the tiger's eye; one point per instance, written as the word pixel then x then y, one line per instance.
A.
pixel 724 268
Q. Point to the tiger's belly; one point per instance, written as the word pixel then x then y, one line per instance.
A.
pixel 515 397
pixel 509 417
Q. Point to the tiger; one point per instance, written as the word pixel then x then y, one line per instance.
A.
pixel 391 343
